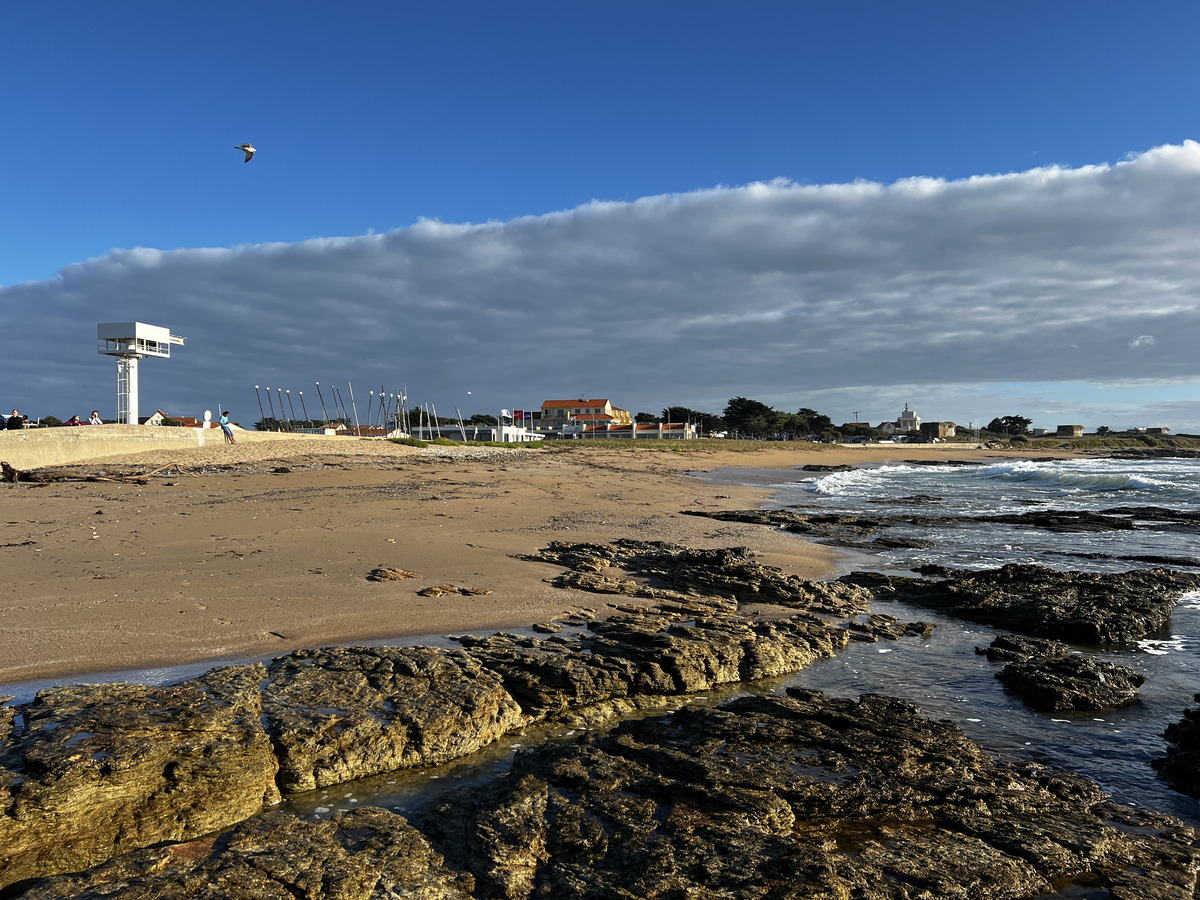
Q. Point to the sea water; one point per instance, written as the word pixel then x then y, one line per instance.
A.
pixel 945 677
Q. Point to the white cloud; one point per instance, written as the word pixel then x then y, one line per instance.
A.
pixel 774 290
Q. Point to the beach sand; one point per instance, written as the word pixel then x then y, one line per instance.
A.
pixel 257 549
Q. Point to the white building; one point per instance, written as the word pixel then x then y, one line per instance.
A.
pixel 907 421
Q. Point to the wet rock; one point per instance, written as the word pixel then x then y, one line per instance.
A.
pixel 1181 766
pixel 849 529
pixel 1073 682
pixel 1065 522
pixel 815 467
pixel 95 770
pixel 346 712
pixel 831 527
pixel 367 854
pixel 800 796
pixel 1013 647
pixel 893 542
pixel 1077 607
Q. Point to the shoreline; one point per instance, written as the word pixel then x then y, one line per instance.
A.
pixel 260 549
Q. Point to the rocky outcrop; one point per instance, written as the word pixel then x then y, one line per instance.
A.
pixel 1013 647
pixel 850 530
pixel 367 854
pixel 1074 682
pixel 668 571
pixel 1050 677
pixel 1077 607
pixel 97 770
pixel 635 659
pixel 347 712
pixel 1181 766
pixel 800 796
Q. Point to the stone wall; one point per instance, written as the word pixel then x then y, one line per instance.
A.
pixel 35 448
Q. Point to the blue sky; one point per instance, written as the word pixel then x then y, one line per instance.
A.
pixel 657 202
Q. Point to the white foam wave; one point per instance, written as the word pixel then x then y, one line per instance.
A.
pixel 1162 646
pixel 1075 478
pixel 858 481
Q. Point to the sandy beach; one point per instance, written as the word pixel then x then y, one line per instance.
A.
pixel 230 552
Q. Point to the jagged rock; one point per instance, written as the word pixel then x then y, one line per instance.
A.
pixel 800 796
pixel 366 854
pixel 881 625
pixel 1012 648
pixel 638 655
pixel 91 771
pixel 687 573
pixel 347 712
pixel 1181 766
pixel 815 467
pixel 1074 682
pixel 1078 607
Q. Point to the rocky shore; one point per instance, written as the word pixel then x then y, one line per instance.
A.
pixel 872 532
pixel 801 794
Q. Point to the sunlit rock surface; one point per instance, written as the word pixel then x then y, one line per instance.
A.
pixel 801 796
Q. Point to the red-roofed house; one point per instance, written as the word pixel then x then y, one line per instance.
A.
pixel 558 413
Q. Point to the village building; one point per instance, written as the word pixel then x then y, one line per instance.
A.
pixel 938 430
pixel 159 417
pixel 907 421
pixel 1069 431
pixel 557 414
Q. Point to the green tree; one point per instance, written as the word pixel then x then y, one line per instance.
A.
pixel 1011 425
pixel 482 419
pixel 50 421
pixel 645 418
pixel 1103 430
pixel 809 421
pixel 750 418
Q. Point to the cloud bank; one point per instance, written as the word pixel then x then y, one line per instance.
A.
pixel 777 291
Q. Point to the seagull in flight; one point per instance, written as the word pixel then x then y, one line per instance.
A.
pixel 249 151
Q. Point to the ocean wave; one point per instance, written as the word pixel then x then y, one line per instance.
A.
pixel 1076 479
pixel 857 481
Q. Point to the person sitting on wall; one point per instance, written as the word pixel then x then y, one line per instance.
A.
pixel 16 420
pixel 74 420
pixel 95 419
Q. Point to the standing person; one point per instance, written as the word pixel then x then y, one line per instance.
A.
pixel 16 420
pixel 95 419
pixel 225 428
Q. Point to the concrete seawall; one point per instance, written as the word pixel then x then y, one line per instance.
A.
pixel 35 448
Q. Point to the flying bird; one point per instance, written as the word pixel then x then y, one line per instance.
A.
pixel 249 151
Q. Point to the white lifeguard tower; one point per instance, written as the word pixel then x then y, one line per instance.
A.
pixel 129 342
